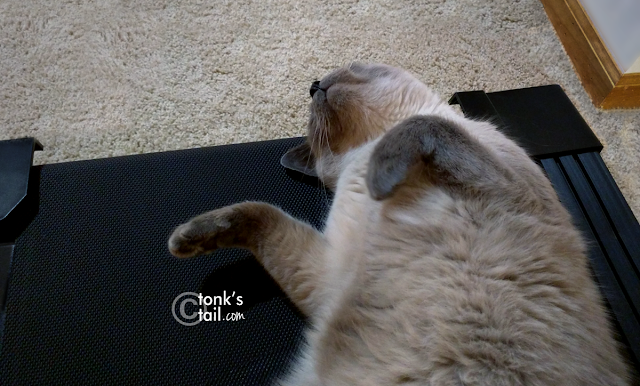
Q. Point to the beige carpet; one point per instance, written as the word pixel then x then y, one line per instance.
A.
pixel 107 78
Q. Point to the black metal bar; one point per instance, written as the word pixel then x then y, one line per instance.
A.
pixel 618 211
pixel 605 234
pixel 604 273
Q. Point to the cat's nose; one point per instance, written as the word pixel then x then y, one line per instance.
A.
pixel 315 86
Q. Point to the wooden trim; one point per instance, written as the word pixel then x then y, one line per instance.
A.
pixel 598 72
pixel 594 40
pixel 625 95
pixel 629 80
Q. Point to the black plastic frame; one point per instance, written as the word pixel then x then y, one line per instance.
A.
pixel 18 200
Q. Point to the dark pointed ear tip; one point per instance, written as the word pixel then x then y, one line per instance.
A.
pixel 300 159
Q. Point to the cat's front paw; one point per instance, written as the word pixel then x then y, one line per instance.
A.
pixel 242 225
pixel 201 234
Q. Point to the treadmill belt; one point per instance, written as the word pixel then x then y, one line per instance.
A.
pixel 92 282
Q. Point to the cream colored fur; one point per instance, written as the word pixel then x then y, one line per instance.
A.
pixel 482 282
pixel 448 291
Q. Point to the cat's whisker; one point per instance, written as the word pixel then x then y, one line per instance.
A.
pixel 312 140
pixel 323 134
pixel 320 185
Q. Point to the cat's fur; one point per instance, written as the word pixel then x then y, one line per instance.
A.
pixel 447 258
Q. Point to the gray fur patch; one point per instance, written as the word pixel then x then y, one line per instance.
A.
pixel 440 145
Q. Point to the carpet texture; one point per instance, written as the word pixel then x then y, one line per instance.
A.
pixel 94 79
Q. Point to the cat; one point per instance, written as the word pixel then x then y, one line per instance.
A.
pixel 446 258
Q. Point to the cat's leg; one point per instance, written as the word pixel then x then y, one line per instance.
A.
pixel 290 250
pixel 446 152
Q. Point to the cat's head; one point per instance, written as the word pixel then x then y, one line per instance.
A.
pixel 351 106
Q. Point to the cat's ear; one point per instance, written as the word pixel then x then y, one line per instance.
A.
pixel 300 159
pixel 455 157
pixel 391 159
